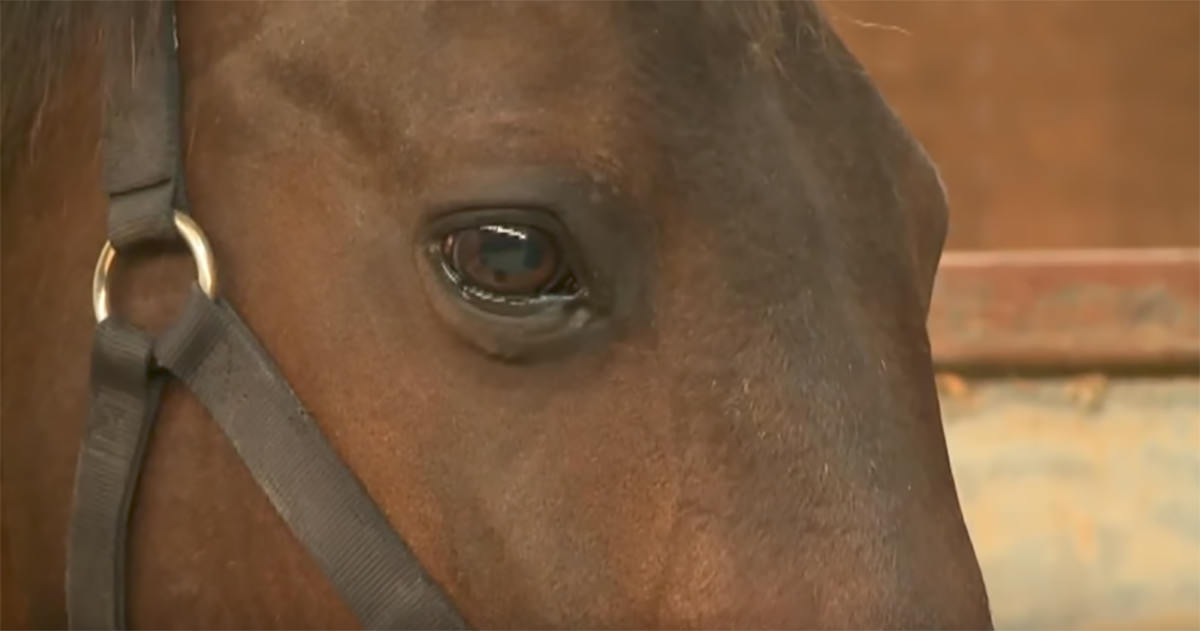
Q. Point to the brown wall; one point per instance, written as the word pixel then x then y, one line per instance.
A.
pixel 1055 124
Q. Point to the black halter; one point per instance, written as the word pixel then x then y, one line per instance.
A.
pixel 213 353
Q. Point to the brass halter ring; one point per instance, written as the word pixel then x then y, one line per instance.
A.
pixel 206 267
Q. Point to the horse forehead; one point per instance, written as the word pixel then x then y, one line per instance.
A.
pixel 548 61
pixel 760 27
pixel 622 77
pixel 681 59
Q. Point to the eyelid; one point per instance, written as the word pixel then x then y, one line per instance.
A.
pixel 445 223
pixel 607 240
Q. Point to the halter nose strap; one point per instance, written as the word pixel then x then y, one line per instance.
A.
pixel 212 352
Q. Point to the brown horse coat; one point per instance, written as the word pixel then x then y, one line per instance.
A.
pixel 746 432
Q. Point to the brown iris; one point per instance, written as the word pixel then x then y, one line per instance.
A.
pixel 505 260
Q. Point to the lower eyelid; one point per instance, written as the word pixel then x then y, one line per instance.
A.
pixel 483 294
pixel 481 297
pixel 518 301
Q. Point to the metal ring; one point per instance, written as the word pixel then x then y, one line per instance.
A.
pixel 202 255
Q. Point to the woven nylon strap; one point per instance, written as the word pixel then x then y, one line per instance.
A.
pixel 125 395
pixel 214 354
pixel 143 169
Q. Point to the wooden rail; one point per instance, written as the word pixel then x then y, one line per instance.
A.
pixel 1061 308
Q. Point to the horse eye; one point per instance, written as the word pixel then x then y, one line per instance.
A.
pixel 507 264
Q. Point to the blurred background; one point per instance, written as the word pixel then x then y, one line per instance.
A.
pixel 1066 317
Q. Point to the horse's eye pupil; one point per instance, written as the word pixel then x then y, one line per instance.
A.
pixel 505 260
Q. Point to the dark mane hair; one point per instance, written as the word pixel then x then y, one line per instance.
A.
pixel 38 40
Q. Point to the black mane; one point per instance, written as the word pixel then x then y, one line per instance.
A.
pixel 38 39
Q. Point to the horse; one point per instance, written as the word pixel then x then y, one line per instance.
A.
pixel 616 310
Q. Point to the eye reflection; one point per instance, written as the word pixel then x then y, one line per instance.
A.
pixel 507 263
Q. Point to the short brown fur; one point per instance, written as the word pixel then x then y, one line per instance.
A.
pixel 751 436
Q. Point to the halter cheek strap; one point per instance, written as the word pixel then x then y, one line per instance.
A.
pixel 212 352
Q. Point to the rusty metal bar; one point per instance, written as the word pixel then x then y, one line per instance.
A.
pixel 1135 307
